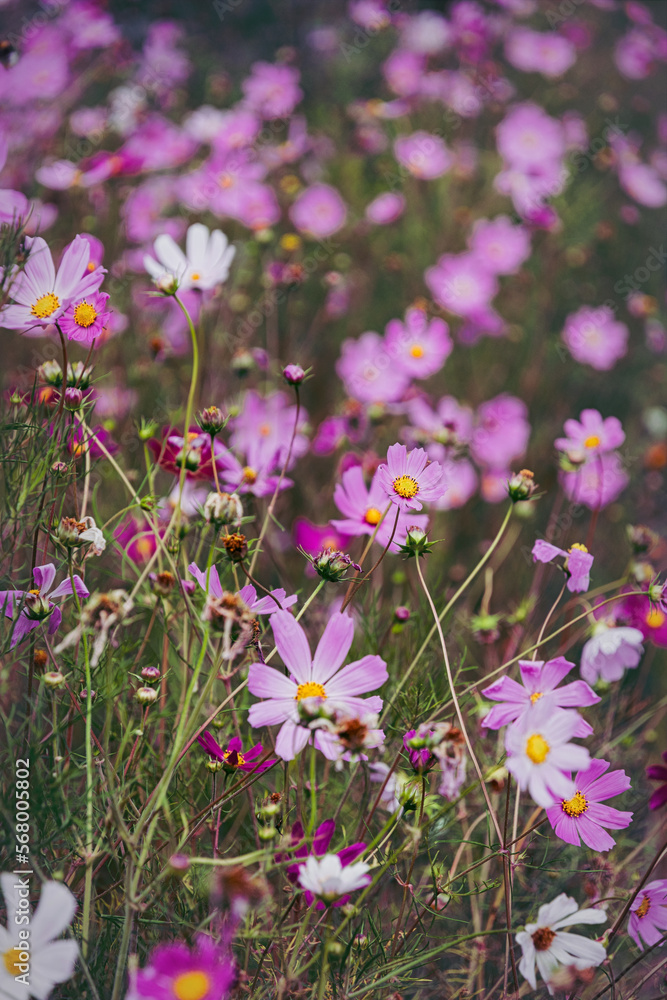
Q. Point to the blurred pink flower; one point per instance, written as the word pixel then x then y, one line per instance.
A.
pixel 319 211
pixel 423 154
pixel 419 345
pixel 595 337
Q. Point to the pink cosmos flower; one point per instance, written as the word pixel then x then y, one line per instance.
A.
pixel 590 435
pixel 499 245
pixel 419 345
pixel 461 480
pixel 312 677
pixel 542 52
pixel 313 538
pixel 583 817
pixel 427 32
pixel 174 968
pixel 267 605
pixel 578 562
pixel 408 478
pixel 643 183
pixel 367 369
pixel 646 616
pixel 596 484
pixel 528 137
pixel 656 772
pixel 272 91
pixel 258 473
pixel 385 209
pixel 404 72
pixel 501 432
pixel 448 425
pixel 540 755
pixel 235 758
pixel 610 651
pixel 540 684
pixel 461 284
pixel 595 338
pixel 269 420
pixel 86 319
pixel 648 914
pixel 37 605
pixel 319 211
pixel 320 846
pixel 424 155
pixel 40 294
pixel 199 458
pixel 363 508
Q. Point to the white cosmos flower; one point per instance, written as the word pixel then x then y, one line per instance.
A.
pixel 50 961
pixel 545 943
pixel 94 535
pixel 205 263
pixel 609 651
pixel 539 754
pixel 328 878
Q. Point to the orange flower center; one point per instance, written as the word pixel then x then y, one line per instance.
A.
pixel 195 276
pixel 537 748
pixel 240 759
pixel 249 475
pixel 45 306
pixel 191 986
pixel 643 907
pixel 11 960
pixel 655 618
pixel 536 696
pixel 578 545
pixel 373 516
pixel 417 351
pixel 309 690
pixel 592 441
pixel 85 314
pixel 406 487
pixel 576 805
pixel 542 938
pixel 265 429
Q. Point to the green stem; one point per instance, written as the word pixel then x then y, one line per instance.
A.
pixel 189 409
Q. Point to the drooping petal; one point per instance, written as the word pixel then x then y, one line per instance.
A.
pixel 544 551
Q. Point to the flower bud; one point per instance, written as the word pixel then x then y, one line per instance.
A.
pixel 53 679
pixel 522 486
pixel 211 420
pixel 267 832
pixel 213 765
pixel 401 613
pixel 151 673
pixel 236 547
pixel 36 607
pixel 178 865
pixel 294 374
pixel 485 627
pixel 242 363
pixel 641 538
pixel 78 375
pixel 416 543
pixel 147 429
pixel 167 284
pixel 51 373
pixel 83 695
pixel 333 565
pixel 223 508
pixel 59 469
pixel 145 695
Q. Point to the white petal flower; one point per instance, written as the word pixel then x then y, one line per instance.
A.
pixel 540 754
pixel 328 878
pixel 48 961
pixel 205 263
pixel 546 945
pixel 609 651
pixel 94 535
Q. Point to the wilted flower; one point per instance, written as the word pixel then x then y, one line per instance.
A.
pixel 102 613
pixel 223 508
pixel 236 547
pixel 333 565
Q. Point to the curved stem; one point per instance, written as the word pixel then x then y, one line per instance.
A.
pixel 189 409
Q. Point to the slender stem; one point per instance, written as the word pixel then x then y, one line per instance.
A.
pixel 189 409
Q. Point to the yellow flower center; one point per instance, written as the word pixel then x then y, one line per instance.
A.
pixel 576 805
pixel 537 748
pixel 373 516
pixel 265 430
pixel 249 475
pixel 536 696
pixel 11 960
pixel 592 441
pixel 145 547
pixel 578 545
pixel 85 314
pixel 330 543
pixel 417 351
pixel 195 276
pixel 406 487
pixel 641 910
pixel 240 759
pixel 45 306
pixel 191 986
pixel 311 689
pixel 36 592
pixel 655 618
pixel 290 241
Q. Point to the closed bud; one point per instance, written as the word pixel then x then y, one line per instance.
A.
pixel 236 547
pixel 167 284
pixel 78 375
pixel 213 765
pixel 51 373
pixel 145 695
pixel 151 673
pixel 401 613
pixel 178 865
pixel 416 543
pixel 522 486
pixel 335 948
pixel 223 508
pixel 162 583
pixel 242 363
pixel 267 832
pixel 294 374
pixel 53 679
pixel 211 420
pixel 59 469
pixel 147 429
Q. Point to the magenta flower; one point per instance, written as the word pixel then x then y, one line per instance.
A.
pixel 583 817
pixel 590 435
pixel 319 211
pixel 235 758
pixel 312 677
pixel 577 565
pixel 37 605
pixel 544 52
pixel 499 245
pixel 272 91
pixel 421 758
pixel 419 345
pixel 594 337
pixel 643 183
pixel 320 846
pixel 40 294
pixel 540 755
pixel 86 319
pixel 409 478
pixel 540 684
pixel 198 459
pixel 364 506
pixel 206 972
pixel 449 424
pixel 643 614
pixel 368 371
pixel 258 473
pixel 501 432
pixel 528 137
pixel 648 914
pixel 596 484
pixel 656 772
pixel 277 600
pixel 423 154
pixel 385 209
pixel 313 538
pixel 461 283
